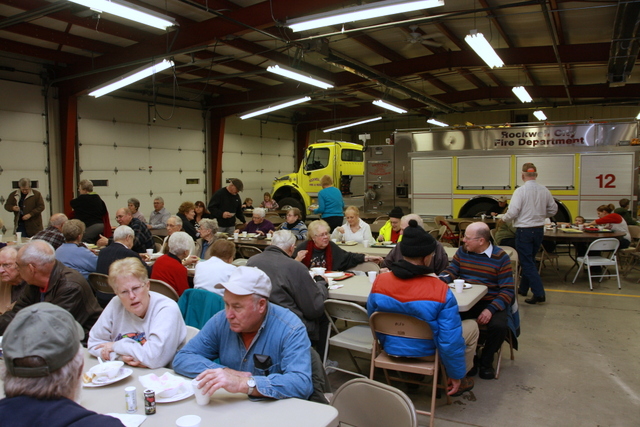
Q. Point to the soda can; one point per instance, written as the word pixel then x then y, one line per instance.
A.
pixel 131 400
pixel 149 402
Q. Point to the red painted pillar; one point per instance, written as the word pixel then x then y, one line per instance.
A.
pixel 69 135
pixel 216 125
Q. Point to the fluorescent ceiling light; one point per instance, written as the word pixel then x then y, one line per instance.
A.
pixel 638 116
pixel 129 11
pixel 522 93
pixel 388 106
pixel 484 50
pixel 437 123
pixel 357 13
pixel 352 123
pixel 274 107
pixel 540 115
pixel 130 78
pixel 299 76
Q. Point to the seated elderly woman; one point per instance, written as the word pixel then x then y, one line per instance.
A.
pixel 186 213
pixel 354 229
pixel 134 206
pixel 208 230
pixel 320 251
pixel 169 267
pixel 258 224
pixel 143 328
pixel 295 224
pixel 73 253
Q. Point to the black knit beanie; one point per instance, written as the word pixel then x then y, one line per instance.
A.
pixel 416 242
pixel 396 213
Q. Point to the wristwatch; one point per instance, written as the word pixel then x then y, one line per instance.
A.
pixel 251 383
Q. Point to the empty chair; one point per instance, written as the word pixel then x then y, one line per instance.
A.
pixel 191 332
pixel 462 227
pixel 378 223
pixel 163 288
pixel 247 251
pixel 605 245
pixel 366 266
pixel 401 325
pixel 363 402
pixel 100 285
pixel 356 338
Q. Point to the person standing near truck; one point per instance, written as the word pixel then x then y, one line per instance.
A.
pixel 531 204
pixel 330 203
pixel 225 206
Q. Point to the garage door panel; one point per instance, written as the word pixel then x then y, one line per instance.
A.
pixel 21 97
pixel 97 132
pixel 166 137
pixel 92 158
pixel 173 160
pixel 13 156
pixel 22 126
pixel 165 181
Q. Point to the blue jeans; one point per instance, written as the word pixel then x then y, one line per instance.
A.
pixel 528 241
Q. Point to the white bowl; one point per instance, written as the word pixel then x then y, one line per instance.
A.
pixel 334 274
pixel 319 271
pixel 107 369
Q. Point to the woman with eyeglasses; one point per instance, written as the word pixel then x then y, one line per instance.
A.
pixel 295 224
pixel 140 327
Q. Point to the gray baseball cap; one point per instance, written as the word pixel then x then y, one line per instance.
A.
pixel 44 330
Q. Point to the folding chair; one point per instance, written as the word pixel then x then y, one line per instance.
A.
pixel 543 256
pixel 400 325
pixel 462 227
pixel 100 285
pixel 247 251
pixel 366 266
pixel 163 288
pixel 603 245
pixel 447 235
pixel 362 402
pixel 356 338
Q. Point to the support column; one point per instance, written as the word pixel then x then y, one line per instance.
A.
pixel 216 126
pixel 69 136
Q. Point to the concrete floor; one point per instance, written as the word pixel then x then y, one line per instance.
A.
pixel 577 364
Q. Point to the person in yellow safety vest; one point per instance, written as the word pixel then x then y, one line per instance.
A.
pixel 391 230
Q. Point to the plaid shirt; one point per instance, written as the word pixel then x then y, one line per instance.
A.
pixel 51 235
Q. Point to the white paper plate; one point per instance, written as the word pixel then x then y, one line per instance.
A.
pixel 334 274
pixel 466 286
pixel 186 391
pixel 122 374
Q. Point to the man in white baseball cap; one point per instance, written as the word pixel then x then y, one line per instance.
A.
pixel 263 348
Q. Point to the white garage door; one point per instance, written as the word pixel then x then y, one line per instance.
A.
pixel 23 151
pixel 130 155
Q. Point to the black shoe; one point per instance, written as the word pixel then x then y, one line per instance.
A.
pixel 473 371
pixel 523 293
pixel 487 373
pixel 534 299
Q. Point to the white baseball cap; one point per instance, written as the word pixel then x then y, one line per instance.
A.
pixel 247 281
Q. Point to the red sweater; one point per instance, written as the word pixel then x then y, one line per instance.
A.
pixel 169 268
pixel 612 218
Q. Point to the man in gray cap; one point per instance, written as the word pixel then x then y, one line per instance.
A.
pixel 225 206
pixel 412 288
pixel 44 363
pixel 263 348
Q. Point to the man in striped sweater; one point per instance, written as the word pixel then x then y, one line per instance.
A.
pixel 478 261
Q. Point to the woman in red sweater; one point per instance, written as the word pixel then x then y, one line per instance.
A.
pixel 169 268
pixel 613 221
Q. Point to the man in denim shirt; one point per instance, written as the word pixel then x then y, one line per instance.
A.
pixel 263 348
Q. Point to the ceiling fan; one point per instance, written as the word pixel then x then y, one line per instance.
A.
pixel 425 39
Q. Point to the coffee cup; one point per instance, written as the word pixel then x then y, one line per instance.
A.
pixel 365 243
pixel 149 252
pixel 201 399
pixel 459 285
pixel 372 276
pixel 581 227
pixel 19 236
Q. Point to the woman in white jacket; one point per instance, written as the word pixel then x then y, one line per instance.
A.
pixel 143 328
pixel 354 229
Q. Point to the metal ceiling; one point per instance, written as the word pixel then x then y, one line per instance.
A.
pixel 563 52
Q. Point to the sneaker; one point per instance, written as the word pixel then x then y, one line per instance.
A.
pixel 329 365
pixel 466 384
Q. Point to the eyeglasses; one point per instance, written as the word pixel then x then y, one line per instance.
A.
pixel 325 234
pixel 135 291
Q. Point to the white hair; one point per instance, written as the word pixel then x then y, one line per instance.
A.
pixel 177 219
pixel 283 239
pixel 179 242
pixel 405 219
pixel 38 253
pixel 122 232
pixel 260 211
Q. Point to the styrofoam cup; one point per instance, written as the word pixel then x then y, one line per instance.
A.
pixel 201 399
pixel 149 252
pixel 372 276
pixel 581 227
pixel 459 285
pixel 189 421
pixel 365 243
pixel 19 236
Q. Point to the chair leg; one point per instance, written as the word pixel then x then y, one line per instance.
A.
pixel 589 273
pixel 578 272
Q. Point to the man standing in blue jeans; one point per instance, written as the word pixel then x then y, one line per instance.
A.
pixel 530 205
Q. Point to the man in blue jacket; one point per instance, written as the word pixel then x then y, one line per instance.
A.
pixel 412 288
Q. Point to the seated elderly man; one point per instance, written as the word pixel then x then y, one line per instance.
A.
pixel 43 369
pixel 292 286
pixel 169 267
pixel 144 328
pixel 174 224
pixel 11 284
pixel 50 281
pixel 391 231
pixel 159 215
pixel 143 239
pixel 53 233
pixel 440 259
pixel 478 261
pixel 216 269
pixel 263 348
pixel 120 248
pixel 320 251
pixel 73 253
pixel 258 224
pixel 208 230
pixel 412 288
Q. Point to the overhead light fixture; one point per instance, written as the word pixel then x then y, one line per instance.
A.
pixel 522 94
pixel 129 11
pixel 388 106
pixel 299 76
pixel 540 115
pixel 437 123
pixel 130 78
pixel 484 50
pixel 638 116
pixel 351 123
pixel 274 107
pixel 358 13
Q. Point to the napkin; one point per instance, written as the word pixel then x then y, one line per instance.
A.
pixel 165 386
pixel 129 420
